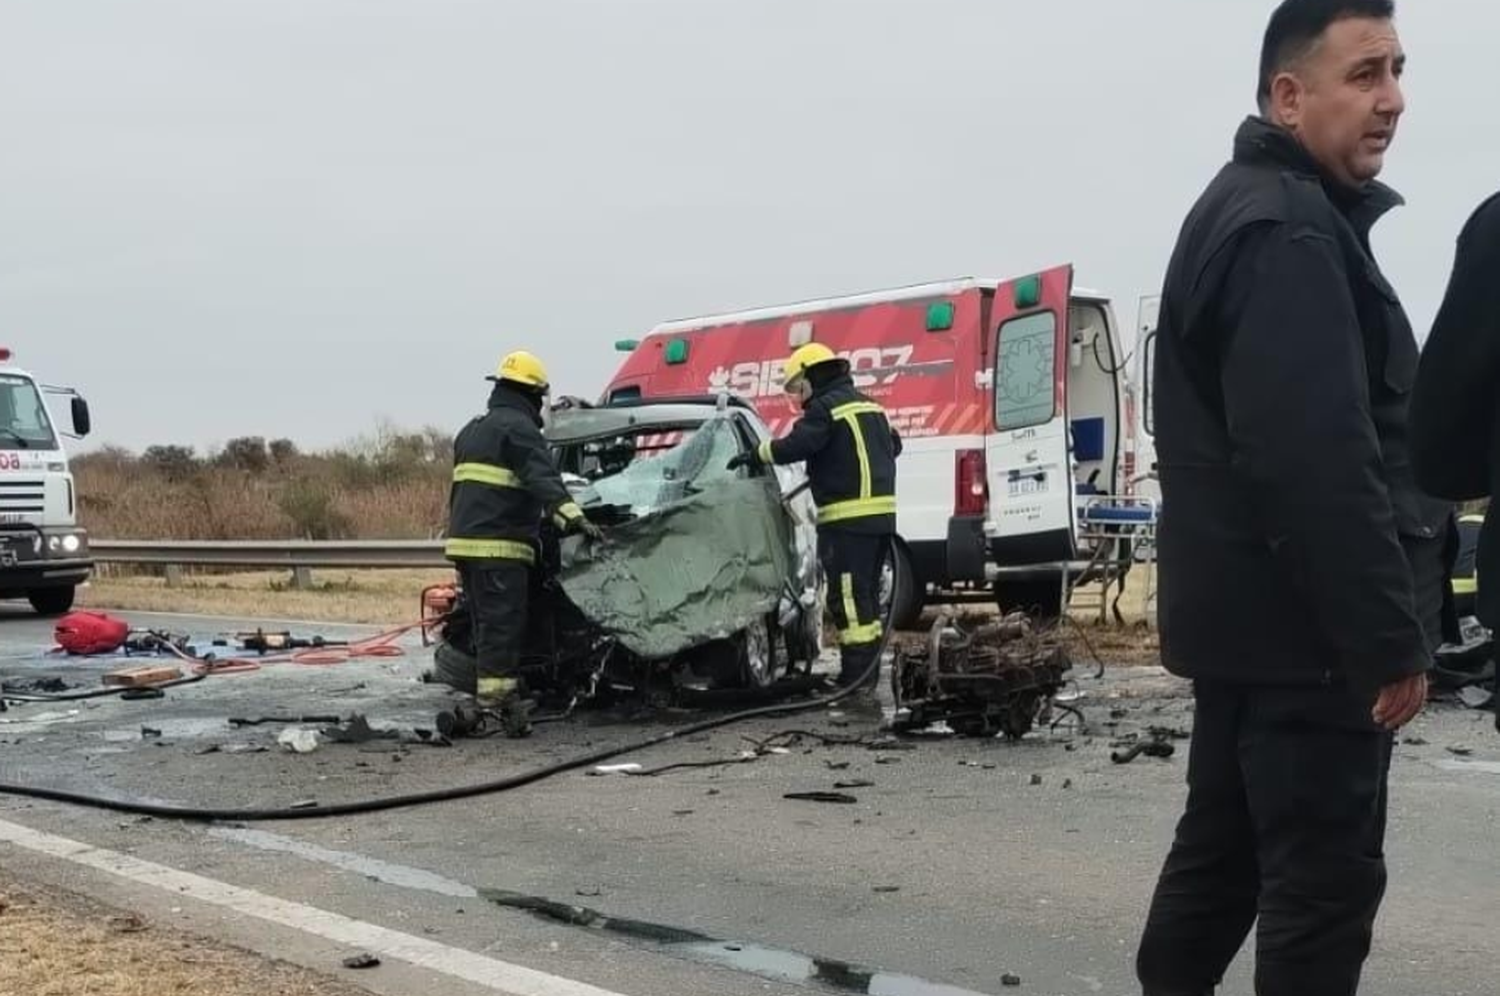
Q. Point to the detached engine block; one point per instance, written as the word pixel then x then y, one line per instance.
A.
pixel 981 677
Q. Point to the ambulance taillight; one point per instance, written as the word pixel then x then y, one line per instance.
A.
pixel 969 487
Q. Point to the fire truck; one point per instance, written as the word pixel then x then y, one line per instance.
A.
pixel 1011 398
pixel 44 555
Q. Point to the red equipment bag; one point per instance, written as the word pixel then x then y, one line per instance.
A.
pixel 91 633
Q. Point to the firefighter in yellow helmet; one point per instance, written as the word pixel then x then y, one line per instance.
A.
pixel 504 481
pixel 850 450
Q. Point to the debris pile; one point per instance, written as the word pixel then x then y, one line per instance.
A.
pixel 981 678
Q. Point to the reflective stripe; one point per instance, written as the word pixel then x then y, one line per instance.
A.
pixel 489 549
pixel 486 473
pixel 850 414
pixel 764 452
pixel 854 632
pixel 567 513
pixel 857 408
pixel 857 508
pixel 1465 586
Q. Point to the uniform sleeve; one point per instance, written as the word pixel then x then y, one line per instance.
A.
pixel 1457 397
pixel 532 462
pixel 895 442
pixel 807 438
pixel 1298 410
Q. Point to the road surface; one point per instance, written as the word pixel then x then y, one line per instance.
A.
pixel 963 866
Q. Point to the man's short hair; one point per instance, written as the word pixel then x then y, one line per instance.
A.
pixel 1296 27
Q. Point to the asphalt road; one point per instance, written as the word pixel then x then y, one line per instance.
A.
pixel 961 863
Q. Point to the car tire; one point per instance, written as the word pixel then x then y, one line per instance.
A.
pixel 52 601
pixel 909 597
pixel 758 657
pixel 1041 600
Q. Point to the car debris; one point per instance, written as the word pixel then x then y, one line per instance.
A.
pixel 979 677
pixel 842 798
pixel 299 740
pixel 1158 747
pixel 361 961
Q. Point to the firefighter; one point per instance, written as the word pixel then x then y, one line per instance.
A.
pixel 504 481
pixel 850 450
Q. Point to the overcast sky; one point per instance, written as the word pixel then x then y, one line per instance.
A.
pixel 300 217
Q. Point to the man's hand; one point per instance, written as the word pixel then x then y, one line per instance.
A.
pixel 746 459
pixel 1400 701
pixel 588 529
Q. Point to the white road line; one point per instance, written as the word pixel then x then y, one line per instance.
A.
pixel 502 977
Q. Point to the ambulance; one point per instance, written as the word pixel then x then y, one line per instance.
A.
pixel 1009 395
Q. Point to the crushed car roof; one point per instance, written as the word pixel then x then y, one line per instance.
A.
pixel 584 423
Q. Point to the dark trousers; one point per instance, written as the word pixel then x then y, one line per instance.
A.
pixel 852 563
pixel 1285 822
pixel 498 592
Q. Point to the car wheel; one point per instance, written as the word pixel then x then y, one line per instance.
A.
pixel 908 595
pixel 51 601
pixel 1042 600
pixel 758 653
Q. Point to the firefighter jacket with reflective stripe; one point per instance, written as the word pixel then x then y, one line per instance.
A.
pixel 850 450
pixel 504 481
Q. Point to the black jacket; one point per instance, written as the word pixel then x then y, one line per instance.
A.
pixel 1455 409
pixel 1291 524
pixel 850 450
pixel 504 480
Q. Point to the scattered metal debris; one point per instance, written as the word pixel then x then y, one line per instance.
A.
pixel 1460 750
pixel 237 722
pixel 1010 981
pixel 1155 747
pixel 842 798
pixel 359 961
pixel 299 740
pixel 980 679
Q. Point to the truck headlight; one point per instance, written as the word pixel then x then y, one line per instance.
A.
pixel 70 543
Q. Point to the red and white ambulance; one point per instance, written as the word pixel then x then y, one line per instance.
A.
pixel 1009 396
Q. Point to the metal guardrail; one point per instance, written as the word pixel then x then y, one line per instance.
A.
pixel 295 554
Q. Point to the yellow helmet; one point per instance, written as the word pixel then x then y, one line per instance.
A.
pixel 523 368
pixel 803 357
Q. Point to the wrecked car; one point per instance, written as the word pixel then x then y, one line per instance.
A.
pixel 707 578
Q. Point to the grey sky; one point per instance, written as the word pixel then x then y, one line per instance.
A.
pixel 196 191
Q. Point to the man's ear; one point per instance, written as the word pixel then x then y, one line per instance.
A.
pixel 1286 100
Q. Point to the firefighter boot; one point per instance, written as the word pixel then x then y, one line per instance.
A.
pixel 857 665
pixel 502 697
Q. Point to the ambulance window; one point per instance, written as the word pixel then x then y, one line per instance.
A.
pixel 1026 371
pixel 632 393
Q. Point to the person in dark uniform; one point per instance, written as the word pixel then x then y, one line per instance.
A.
pixel 504 481
pixel 1302 573
pixel 850 450
pixel 1455 408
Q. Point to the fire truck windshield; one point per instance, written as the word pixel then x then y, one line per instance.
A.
pixel 24 424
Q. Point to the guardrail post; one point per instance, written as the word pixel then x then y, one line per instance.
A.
pixel 302 579
pixel 174 575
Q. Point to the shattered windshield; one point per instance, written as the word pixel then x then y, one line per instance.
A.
pixel 650 467
pixel 23 418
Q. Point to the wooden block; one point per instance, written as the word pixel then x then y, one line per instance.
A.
pixel 134 677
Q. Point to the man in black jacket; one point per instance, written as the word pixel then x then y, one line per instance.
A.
pixel 850 450
pixel 504 480
pixel 1455 408
pixel 1302 573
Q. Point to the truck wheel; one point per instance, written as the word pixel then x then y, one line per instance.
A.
pixel 1042 600
pixel 52 601
pixel 908 594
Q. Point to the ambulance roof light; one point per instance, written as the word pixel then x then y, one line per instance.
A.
pixel 5 354
pixel 626 345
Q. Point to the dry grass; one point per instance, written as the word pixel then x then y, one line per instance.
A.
pixel 52 944
pixel 378 598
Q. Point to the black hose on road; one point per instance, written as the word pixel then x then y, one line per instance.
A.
pixel 313 812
